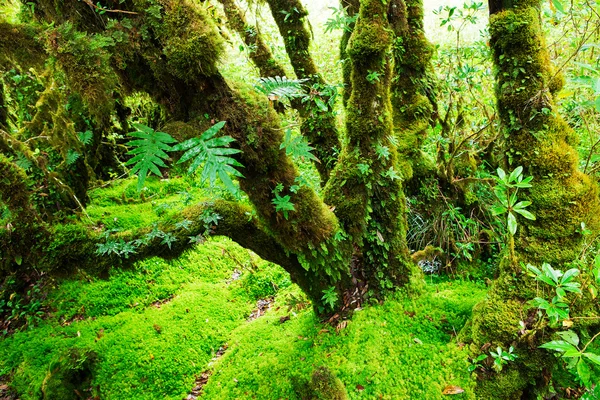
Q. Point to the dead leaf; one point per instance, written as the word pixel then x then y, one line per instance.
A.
pixel 360 387
pixel 417 340
pixel 448 390
pixel 284 319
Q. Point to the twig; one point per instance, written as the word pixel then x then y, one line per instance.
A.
pixel 89 3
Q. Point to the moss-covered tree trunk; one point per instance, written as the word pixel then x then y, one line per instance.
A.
pixel 562 197
pixel 412 88
pixel 365 186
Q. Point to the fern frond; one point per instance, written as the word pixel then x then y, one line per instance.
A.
pixel 280 87
pixel 213 154
pixel 149 151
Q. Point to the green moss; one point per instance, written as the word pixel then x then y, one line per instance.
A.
pixel 191 42
pixel 562 197
pixel 152 330
pixel 270 360
pixel 365 187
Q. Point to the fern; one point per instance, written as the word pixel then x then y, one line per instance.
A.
pixel 72 157
pixel 149 151
pixel 85 137
pixel 213 154
pixel 297 147
pixel 280 88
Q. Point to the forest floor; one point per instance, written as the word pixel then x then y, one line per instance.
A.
pixel 220 323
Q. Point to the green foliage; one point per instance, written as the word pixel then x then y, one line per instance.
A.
pixel 280 88
pixel 557 309
pixel 149 152
pixel 502 357
pixel 330 297
pixel 213 154
pixel 584 365
pixel 506 191
pixel 340 20
pixel 297 147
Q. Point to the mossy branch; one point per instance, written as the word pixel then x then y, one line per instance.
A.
pixel 319 126
pixel 259 52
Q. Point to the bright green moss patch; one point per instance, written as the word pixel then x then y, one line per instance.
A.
pixel 149 330
pixel 400 350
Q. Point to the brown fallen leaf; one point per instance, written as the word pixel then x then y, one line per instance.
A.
pixel 360 387
pixel 452 390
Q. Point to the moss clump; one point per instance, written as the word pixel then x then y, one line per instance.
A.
pixel 323 385
pixel 274 361
pixel 412 86
pixel 191 42
pixel 365 187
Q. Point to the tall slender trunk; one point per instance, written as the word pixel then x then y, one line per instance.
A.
pixel 562 197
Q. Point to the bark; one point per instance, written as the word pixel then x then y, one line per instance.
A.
pixel 562 197
pixel 3 112
pixel 318 126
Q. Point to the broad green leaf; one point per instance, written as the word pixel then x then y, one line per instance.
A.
pixel 501 174
pixel 516 172
pixel 499 210
pixel 569 275
pixel 584 372
pixel 551 272
pixel 559 345
pixel 595 358
pixel 570 337
pixel 558 5
pixel 535 270
pixel 525 213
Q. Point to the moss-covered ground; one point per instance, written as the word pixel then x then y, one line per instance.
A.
pixel 150 331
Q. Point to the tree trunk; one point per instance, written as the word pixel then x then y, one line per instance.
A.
pixel 412 90
pixel 365 186
pixel 562 198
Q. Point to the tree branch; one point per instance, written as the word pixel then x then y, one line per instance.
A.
pixel 319 125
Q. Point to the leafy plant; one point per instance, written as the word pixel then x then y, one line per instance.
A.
pixel 280 88
pixel 149 152
pixel 297 147
pixel 85 137
pixel 506 191
pixel 557 308
pixel 373 76
pixel 501 357
pixel 340 20
pixel 213 154
pixel 579 361
pixel 476 363
pixel 282 203
pixel 330 297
